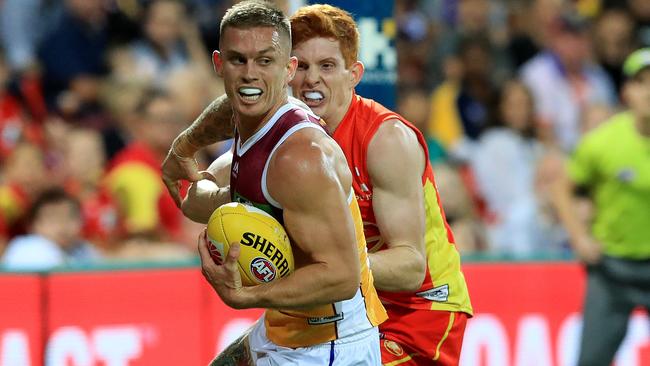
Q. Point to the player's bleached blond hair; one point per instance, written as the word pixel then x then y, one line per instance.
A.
pixel 256 13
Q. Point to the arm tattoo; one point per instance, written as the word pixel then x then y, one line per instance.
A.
pixel 236 354
pixel 213 125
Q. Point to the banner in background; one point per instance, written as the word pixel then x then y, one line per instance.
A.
pixel 377 29
pixel 124 318
pixel 526 314
pixel 21 320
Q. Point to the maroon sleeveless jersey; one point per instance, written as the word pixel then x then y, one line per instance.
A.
pixel 250 159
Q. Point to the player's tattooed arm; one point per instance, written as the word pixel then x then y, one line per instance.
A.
pixel 236 354
pixel 214 124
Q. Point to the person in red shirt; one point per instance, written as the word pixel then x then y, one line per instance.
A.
pixel 412 253
pixel 24 176
pixel 84 169
pixel 133 175
pixel 20 115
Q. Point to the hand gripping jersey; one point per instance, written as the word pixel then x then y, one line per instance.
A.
pixel 444 285
pixel 290 328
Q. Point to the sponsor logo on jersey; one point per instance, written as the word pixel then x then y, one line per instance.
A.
pixel 263 269
pixel 393 347
pixel 267 248
pixel 325 319
pixel 438 294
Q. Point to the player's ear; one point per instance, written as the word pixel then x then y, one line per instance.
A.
pixel 217 62
pixel 292 66
pixel 356 73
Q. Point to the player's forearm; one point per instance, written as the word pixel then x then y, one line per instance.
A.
pixel 308 287
pixel 202 199
pixel 398 269
pixel 214 124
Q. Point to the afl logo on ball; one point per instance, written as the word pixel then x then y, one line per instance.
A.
pixel 263 269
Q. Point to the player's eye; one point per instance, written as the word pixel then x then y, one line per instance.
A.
pixel 238 60
pixel 328 66
pixel 302 66
pixel 264 61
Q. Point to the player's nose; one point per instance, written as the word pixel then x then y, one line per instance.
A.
pixel 312 76
pixel 250 72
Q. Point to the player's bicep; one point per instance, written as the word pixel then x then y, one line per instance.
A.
pixel 323 232
pixel 396 163
pixel 316 211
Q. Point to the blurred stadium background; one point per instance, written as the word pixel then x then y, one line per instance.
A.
pixel 92 92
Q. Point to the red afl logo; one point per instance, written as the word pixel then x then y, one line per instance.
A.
pixel 263 269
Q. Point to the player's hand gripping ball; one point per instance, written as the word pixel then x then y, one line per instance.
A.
pixel 265 253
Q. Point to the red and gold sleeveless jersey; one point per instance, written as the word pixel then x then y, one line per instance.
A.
pixel 444 286
pixel 291 328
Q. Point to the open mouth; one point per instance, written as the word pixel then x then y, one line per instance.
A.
pixel 312 97
pixel 250 94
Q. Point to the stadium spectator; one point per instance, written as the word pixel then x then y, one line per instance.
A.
pixel 20 29
pixel 84 162
pixel 611 167
pixel 73 56
pixel 193 87
pixel 54 237
pixel 415 41
pixel 14 126
pixel 563 80
pixel 523 41
pixel 460 110
pixel 134 176
pixel 640 10
pixel 460 211
pixel 504 164
pixel 171 41
pixel 468 19
pixel 613 41
pixel 24 175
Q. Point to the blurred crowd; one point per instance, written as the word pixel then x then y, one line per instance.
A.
pixel 504 90
pixel 92 93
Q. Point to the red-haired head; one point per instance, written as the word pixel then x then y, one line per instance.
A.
pixel 326 21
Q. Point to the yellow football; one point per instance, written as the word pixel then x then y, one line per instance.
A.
pixel 265 248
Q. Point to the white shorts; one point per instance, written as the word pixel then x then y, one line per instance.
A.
pixel 361 349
